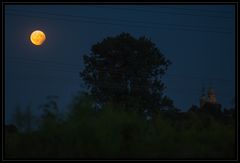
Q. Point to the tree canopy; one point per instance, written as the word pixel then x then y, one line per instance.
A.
pixel 126 70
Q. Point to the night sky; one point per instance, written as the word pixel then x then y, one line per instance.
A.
pixel 198 39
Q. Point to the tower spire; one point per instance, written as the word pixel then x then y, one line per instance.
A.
pixel 211 95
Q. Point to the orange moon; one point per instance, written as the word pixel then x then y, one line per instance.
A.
pixel 37 37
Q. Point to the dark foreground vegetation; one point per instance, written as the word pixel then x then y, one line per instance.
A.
pixel 114 133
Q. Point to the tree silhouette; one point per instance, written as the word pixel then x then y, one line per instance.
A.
pixel 127 71
pixel 19 118
pixel 29 119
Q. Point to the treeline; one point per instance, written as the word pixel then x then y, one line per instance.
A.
pixel 112 132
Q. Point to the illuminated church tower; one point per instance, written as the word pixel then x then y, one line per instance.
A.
pixel 211 96
pixel 209 104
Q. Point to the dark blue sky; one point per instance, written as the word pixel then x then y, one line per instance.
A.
pixel 198 39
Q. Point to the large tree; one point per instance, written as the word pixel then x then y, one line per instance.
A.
pixel 126 70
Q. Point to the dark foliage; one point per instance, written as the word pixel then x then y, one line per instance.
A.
pixel 127 71
pixel 116 133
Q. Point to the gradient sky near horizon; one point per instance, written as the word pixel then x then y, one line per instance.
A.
pixel 198 39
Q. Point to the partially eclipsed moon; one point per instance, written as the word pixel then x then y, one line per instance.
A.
pixel 37 37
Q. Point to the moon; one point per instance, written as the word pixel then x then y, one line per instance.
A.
pixel 37 37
